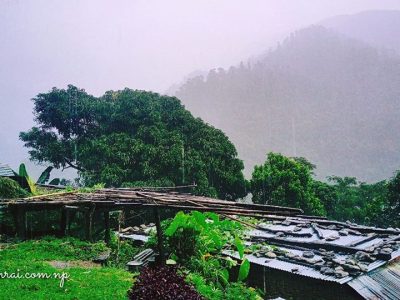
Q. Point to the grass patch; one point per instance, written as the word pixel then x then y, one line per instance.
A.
pixel 83 282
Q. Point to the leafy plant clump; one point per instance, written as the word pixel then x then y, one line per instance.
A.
pixel 11 189
pixel 162 283
pixel 196 241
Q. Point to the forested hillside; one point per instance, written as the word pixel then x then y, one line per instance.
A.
pixel 319 95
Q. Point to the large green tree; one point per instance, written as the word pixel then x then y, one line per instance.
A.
pixel 285 181
pixel 128 136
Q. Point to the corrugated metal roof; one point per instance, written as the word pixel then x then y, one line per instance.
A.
pixel 382 283
pixel 289 266
pixel 6 171
pixel 306 239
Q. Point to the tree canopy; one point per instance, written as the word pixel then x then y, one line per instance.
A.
pixel 129 136
pixel 287 182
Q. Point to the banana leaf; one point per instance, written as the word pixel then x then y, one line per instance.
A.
pixel 45 176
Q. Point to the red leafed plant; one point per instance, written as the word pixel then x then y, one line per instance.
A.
pixel 162 283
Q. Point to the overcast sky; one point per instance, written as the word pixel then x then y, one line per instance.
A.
pixel 103 45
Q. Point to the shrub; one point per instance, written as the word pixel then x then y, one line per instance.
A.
pixel 11 189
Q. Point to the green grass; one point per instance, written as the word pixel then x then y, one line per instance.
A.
pixel 83 282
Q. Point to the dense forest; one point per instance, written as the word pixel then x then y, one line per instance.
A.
pixel 136 138
pixel 319 95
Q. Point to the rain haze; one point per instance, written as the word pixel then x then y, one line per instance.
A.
pixel 149 45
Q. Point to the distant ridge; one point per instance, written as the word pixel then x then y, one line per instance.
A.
pixel 319 94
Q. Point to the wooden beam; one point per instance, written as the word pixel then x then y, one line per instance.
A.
pixel 232 211
pixel 160 243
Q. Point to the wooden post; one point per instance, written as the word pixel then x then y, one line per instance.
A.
pixel 161 258
pixel 67 222
pixel 20 222
pixel 107 233
pixel 89 223
pixel 63 222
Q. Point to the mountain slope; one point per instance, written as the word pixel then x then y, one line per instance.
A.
pixel 330 99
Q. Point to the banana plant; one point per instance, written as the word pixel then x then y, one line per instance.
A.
pixel 45 176
pixel 23 173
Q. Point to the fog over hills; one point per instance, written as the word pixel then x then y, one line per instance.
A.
pixel 378 28
pixel 102 45
pixel 319 94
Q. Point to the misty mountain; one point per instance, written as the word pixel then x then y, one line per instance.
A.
pixel 378 28
pixel 329 98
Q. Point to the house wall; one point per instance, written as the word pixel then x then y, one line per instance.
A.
pixel 276 283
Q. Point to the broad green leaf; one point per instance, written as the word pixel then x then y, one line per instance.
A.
pixel 244 270
pixel 178 221
pixel 224 276
pixel 44 177
pixel 216 239
pixel 200 218
pixel 239 246
pixel 22 171
pixel 214 217
pixel 172 228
